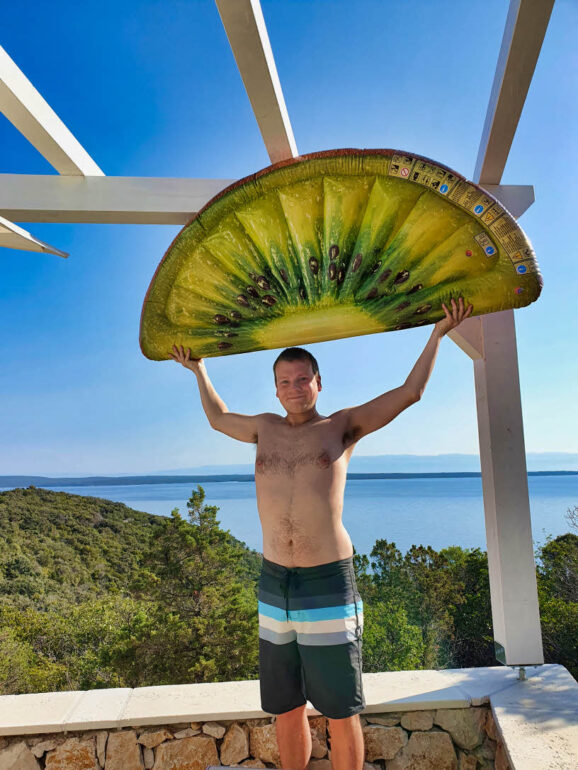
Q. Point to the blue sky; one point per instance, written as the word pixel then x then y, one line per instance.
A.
pixel 152 89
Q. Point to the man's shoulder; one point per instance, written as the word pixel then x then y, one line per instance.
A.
pixel 269 417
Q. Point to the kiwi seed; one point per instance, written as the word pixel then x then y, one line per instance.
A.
pixel 415 288
pixel 341 275
pixel 401 277
pixel 269 300
pixel 236 315
pixel 333 252
pixel 220 319
pixel 253 292
pixel 372 293
pixel 384 276
pixel 403 306
pixel 332 271
pixel 284 276
pixel 313 265
pixel 302 292
pixel 422 309
pixel 404 325
pixel 357 263
pixel 376 267
pixel 242 300
pixel 224 345
pixel 263 283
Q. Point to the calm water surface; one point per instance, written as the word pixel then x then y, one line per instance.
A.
pixel 436 512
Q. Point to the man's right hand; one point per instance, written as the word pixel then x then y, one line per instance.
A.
pixel 185 358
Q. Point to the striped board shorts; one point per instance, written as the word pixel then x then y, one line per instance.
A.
pixel 310 629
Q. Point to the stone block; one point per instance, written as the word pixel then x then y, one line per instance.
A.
pixel 214 729
pixel 318 728
pixel 152 738
pixel 123 751
pixel 467 761
pixel 387 720
pixel 188 732
pixel 235 746
pixel 190 753
pixel 18 756
pixel 253 763
pixel 39 749
pixel 491 728
pixel 417 720
pixel 101 739
pixel 263 743
pixel 426 751
pixel 383 742
pixel 486 751
pixel 501 761
pixel 466 726
pixel 97 709
pixel 73 754
pixel 320 764
pixel 148 757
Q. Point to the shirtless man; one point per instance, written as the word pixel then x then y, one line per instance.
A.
pixel 310 613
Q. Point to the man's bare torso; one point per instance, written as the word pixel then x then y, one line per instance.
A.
pixel 300 474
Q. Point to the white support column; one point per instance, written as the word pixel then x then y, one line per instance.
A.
pixel 492 345
pixel 515 614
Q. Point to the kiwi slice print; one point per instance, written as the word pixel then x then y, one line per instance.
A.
pixel 330 245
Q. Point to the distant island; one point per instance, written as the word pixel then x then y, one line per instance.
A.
pixel 122 481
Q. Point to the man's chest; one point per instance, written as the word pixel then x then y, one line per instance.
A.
pixel 289 451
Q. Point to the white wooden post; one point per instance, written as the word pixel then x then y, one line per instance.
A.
pixel 515 613
pixel 490 340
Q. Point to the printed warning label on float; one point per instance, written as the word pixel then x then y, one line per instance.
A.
pixel 401 166
pixel 509 234
pixel 471 198
pixel 492 213
pixel 464 194
pixel 487 245
pixel 432 176
pixel 524 268
pixel 523 254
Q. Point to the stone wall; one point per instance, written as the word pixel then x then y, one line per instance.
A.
pixel 439 739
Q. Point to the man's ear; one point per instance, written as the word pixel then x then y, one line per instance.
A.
pixel 318 382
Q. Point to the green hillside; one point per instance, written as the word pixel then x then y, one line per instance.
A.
pixel 94 594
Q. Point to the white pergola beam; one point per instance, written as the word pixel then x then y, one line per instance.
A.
pixel 14 237
pixel 106 199
pixel 36 120
pixel 140 200
pixel 524 32
pixel 512 571
pixel 245 27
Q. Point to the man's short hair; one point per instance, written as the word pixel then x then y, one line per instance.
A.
pixel 296 354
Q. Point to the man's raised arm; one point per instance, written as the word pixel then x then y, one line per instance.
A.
pixel 373 415
pixel 240 426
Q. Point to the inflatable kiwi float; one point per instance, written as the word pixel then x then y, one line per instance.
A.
pixel 330 245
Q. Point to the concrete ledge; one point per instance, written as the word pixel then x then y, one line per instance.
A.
pixel 537 718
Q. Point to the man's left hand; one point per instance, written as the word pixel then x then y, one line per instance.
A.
pixel 454 317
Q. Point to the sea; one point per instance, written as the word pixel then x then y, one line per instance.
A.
pixel 418 510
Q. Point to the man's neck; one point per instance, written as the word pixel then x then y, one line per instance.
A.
pixel 300 419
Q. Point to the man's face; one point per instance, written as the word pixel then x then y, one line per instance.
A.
pixel 297 386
